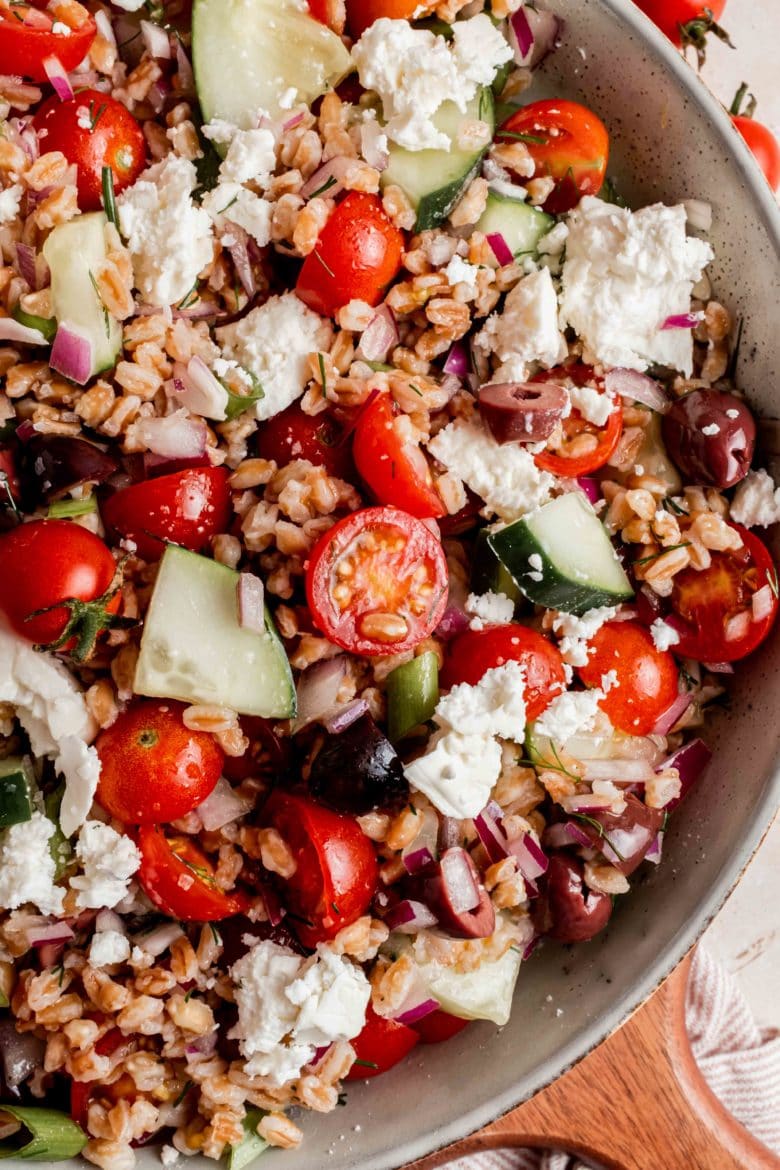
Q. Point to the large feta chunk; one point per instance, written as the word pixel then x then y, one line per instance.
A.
pixel 575 632
pixel 526 330
pixel 414 71
pixel 27 869
pixel 52 711
pixel 168 236
pixel 568 714
pixel 504 475
pixel 250 158
pixel 107 947
pixel 229 203
pixel 288 1007
pixel 756 501
pixel 625 272
pixel 493 706
pixel 108 861
pixel 457 772
pixel 273 343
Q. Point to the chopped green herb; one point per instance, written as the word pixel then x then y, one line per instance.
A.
pixel 772 580
pixel 94 117
pixel 655 556
pixel 238 403
pixel 5 490
pixel 671 505
pixel 367 1064
pixel 215 933
pixel 416 389
pixel 206 168
pixel 106 317
pixel 189 995
pixel 336 909
pixel 594 824
pixel 326 186
pixel 109 199
pixel 534 139
pixel 187 1086
pixel 227 206
pixel 190 298
pixel 323 376
pixel 318 256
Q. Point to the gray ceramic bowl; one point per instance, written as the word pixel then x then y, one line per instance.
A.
pixel 671 141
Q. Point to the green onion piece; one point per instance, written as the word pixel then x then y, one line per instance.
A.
pixel 109 199
pixel 68 509
pixel 16 785
pixel 53 1137
pixel 251 1144
pixel 45 325
pixel 412 694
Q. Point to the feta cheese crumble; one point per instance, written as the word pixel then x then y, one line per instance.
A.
pixel 27 869
pixel 273 342
pixel 108 860
pixel 457 772
pixel 491 609
pixel 526 330
pixel 504 475
pixel 460 271
pixel 575 632
pixel 593 406
pixel 107 947
pixel 52 711
pixel 625 272
pixel 289 1006
pixel 493 706
pixel 664 635
pixel 414 72
pixel 251 157
pixel 230 203
pixel 168 236
pixel 569 714
pixel 756 501
pixel 10 199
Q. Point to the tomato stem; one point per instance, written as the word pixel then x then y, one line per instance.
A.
pixel 735 109
pixel 86 620
pixel 696 31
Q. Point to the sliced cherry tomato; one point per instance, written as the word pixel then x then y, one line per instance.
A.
pixel 361 14
pixel 153 769
pixel 566 460
pixel 357 254
pixel 376 582
pixel 382 1044
pixel 93 130
pixel 82 1091
pixel 715 605
pixel 439 1026
pixel 187 507
pixel 647 678
pixel 686 22
pixel 179 879
pixel 567 142
pixel 336 869
pixel 476 651
pixel 291 434
pixel 28 39
pixel 57 566
pixel 391 464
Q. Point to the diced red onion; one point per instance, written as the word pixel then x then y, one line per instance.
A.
pixel 682 321
pixel 71 355
pixel 409 916
pixel 699 214
pixel 204 1046
pixel 492 835
pixel 22 132
pixel 292 122
pixel 456 873
pixel 336 169
pixel 109 920
pixel 454 621
pixel 318 689
pixel 447 835
pixel 672 714
pixel 104 26
pixel 690 761
pixel 418 859
pixel 158 94
pixel 591 488
pixel 584 802
pixel 417 1012
pixel 50 932
pixel 197 388
pixel 175 436
pixel 762 603
pixel 250 596
pixel 719 667
pixel 533 34
pixel 501 249
pixel 25 258
pixel 531 946
pixel 13 330
pixel 58 78
pixel 160 939
pixel 222 806
pixel 524 38
pixel 345 716
pixel 738 626
pixel 374 151
pixel 379 336
pixel 184 68
pixel 457 362
pixel 239 254
pixel 654 852
pixel 530 857
pixel 156 40
pixel 637 388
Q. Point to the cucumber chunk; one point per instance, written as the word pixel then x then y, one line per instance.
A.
pixel 434 180
pixel 561 557
pixel 16 785
pixel 488 575
pixel 246 53
pixel 412 694
pixel 73 251
pixel 521 225
pixel 605 742
pixel 193 648
pixel 251 1144
pixel 482 994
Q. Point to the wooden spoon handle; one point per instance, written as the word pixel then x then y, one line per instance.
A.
pixel 636 1102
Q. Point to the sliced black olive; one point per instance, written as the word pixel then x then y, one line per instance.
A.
pixel 711 435
pixel 625 837
pixel 522 412
pixel 444 892
pixel 357 770
pixel 564 911
pixel 53 464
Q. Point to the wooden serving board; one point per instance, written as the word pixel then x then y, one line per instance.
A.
pixel 637 1102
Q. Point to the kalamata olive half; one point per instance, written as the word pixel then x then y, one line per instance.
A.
pixel 53 464
pixel 626 836
pixel 357 770
pixel 564 911
pixel 710 435
pixel 522 412
pixel 447 890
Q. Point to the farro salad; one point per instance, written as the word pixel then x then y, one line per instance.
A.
pixel 376 532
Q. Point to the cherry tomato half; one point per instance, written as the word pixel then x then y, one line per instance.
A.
pixel 27 39
pixel 93 130
pixel 377 582
pixel 476 651
pixel 336 869
pixel 764 146
pixel 186 507
pixel 439 1026
pixel 672 16
pixel 382 1044
pixel 46 563
pixel 291 434
pixel 567 142
pixel 391 463
pixel 568 459
pixel 361 14
pixel 179 879
pixel 647 678
pixel 715 605
pixel 357 254
pixel 153 769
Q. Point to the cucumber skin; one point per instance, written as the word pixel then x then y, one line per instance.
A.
pixel 45 325
pixel 514 545
pixel 489 575
pixel 15 793
pixel 412 695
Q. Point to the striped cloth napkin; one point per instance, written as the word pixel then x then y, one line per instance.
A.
pixel 740 1063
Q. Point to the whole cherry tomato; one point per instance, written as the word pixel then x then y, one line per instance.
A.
pixel 377 582
pixel 336 869
pixel 382 1044
pixel 187 507
pixel 30 38
pixel 439 1026
pixel 645 681
pixel 568 457
pixel 361 14
pixel 687 22
pixel 357 254
pixel 391 463
pixel 291 434
pixel 758 137
pixel 66 571
pixel 93 130
pixel 567 142
pixel 179 879
pixel 153 769
pixel 714 608
pixel 476 651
